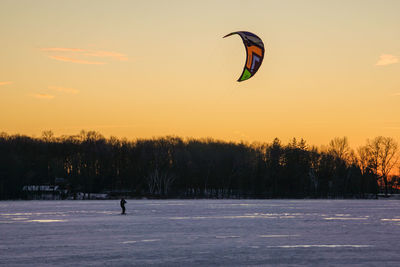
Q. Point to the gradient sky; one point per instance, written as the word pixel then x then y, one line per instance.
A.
pixel 139 69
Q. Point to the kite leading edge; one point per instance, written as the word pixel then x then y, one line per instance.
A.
pixel 254 53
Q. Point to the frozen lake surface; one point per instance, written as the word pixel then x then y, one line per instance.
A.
pixel 201 232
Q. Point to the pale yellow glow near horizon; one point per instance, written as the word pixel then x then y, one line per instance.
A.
pixel 140 69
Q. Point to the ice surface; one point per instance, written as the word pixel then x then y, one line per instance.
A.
pixel 200 232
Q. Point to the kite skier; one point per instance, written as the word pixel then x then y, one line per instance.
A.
pixel 122 203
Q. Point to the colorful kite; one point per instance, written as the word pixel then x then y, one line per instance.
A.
pixel 254 51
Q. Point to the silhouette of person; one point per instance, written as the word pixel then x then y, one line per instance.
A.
pixel 123 205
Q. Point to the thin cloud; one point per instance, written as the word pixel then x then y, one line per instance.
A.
pixel 64 90
pixel 396 94
pixel 78 55
pixel 5 83
pixel 74 60
pixel 43 96
pixel 387 59
pixel 63 49
pixel 114 55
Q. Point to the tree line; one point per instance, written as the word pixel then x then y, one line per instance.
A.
pixel 170 166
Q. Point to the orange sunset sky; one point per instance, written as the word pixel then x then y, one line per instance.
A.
pixel 139 69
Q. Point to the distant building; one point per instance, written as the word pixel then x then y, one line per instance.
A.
pixel 84 196
pixel 45 192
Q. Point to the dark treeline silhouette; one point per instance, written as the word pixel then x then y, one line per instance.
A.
pixel 187 168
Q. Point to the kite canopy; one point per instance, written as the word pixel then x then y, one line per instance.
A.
pixel 254 51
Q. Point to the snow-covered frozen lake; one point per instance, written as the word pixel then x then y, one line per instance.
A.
pixel 200 232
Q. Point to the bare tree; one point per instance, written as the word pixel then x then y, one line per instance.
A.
pixel 339 148
pixel 167 182
pixel 154 182
pixel 383 155
pixel 363 159
pixel 47 136
pixel 159 183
